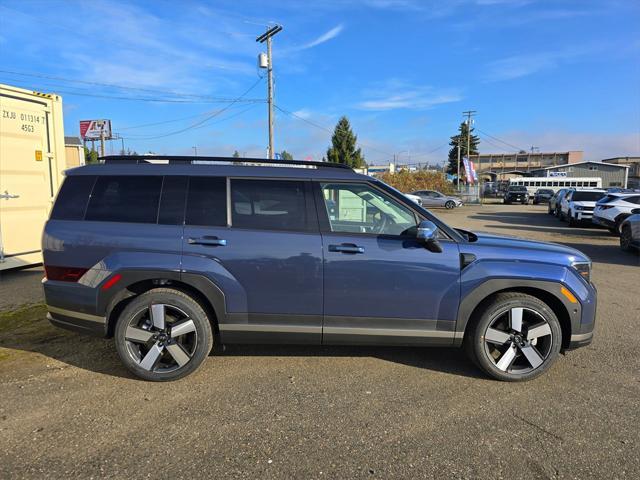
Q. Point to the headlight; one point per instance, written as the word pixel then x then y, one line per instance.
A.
pixel 583 269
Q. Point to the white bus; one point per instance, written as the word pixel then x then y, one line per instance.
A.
pixel 555 183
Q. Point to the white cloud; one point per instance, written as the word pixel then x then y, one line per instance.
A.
pixel 518 66
pixel 396 94
pixel 325 37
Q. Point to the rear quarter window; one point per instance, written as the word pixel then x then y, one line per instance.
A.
pixel 72 198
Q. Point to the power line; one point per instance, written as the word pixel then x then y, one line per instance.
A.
pixel 209 117
pixel 499 140
pixel 209 98
pixel 237 114
pixel 306 120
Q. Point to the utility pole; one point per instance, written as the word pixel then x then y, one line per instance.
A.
pixel 261 39
pixel 102 143
pixel 458 174
pixel 195 151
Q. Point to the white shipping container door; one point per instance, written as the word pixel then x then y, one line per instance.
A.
pixel 28 181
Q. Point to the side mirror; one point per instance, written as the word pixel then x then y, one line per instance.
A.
pixel 428 234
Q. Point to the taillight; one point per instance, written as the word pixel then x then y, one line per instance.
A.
pixel 64 274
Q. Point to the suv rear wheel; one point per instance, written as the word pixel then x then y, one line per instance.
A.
pixel 163 335
pixel 516 337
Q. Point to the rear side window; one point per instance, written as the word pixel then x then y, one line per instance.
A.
pixel 207 201
pixel 172 201
pixel 269 204
pixel 72 198
pixel 131 199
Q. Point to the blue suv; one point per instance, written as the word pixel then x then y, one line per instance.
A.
pixel 171 255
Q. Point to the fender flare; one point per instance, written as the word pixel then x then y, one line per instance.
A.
pixel 495 285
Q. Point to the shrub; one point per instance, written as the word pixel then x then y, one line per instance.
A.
pixel 407 182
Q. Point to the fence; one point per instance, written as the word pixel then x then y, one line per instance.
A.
pixel 469 193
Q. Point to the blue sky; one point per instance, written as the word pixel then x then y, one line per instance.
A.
pixel 559 75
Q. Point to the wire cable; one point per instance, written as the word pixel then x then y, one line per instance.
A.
pixel 207 118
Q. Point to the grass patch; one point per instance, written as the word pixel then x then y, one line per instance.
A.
pixel 22 319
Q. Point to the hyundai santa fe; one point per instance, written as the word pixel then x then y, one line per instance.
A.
pixel 171 255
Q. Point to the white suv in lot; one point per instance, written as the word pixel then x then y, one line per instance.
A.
pixel 578 205
pixel 611 210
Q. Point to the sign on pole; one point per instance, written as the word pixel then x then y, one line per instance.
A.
pixel 95 129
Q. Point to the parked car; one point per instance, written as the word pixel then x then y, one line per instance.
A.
pixel 170 259
pixel 433 198
pixel 554 202
pixel 578 205
pixel 612 209
pixel 542 195
pixel 630 232
pixel 414 198
pixel 516 193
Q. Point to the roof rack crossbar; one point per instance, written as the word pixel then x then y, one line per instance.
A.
pixel 137 159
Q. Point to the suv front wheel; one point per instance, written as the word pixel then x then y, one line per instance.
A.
pixel 516 337
pixel 163 335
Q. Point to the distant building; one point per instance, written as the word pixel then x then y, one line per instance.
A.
pixel 500 166
pixel 73 152
pixel 612 175
pixel 634 168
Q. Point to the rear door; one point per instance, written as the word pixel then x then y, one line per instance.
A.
pixel 258 240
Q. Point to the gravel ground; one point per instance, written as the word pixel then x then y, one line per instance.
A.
pixel 68 409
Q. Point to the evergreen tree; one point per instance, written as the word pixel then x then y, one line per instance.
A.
pixel 461 138
pixel 90 156
pixel 284 155
pixel 343 146
pixel 236 154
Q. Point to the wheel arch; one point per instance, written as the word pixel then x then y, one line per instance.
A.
pixel 473 304
pixel 200 288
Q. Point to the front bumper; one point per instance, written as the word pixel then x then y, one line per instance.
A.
pixel 583 215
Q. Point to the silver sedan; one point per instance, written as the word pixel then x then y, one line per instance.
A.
pixel 433 198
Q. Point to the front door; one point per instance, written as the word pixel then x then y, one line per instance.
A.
pixel 380 284
pixel 258 240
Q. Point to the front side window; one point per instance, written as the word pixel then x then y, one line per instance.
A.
pixel 269 205
pixel 359 208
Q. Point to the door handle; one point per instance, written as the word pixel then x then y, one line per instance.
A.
pixel 208 241
pixel 346 248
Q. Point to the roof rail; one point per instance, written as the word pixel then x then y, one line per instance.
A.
pixel 198 159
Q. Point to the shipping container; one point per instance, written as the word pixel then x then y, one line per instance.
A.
pixel 32 159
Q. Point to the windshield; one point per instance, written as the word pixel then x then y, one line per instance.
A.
pixel 545 192
pixel 587 196
pixel 517 188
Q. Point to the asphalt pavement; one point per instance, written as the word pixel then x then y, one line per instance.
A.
pixel 68 409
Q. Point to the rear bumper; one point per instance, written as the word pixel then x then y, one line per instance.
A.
pixel 73 306
pixel 605 222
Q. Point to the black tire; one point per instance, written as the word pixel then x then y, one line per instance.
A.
pixel 196 343
pixel 450 204
pixel 546 347
pixel 557 213
pixel 506 202
pixel 614 230
pixel 572 220
pixel 626 238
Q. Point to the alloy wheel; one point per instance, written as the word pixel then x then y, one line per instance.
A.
pixel 518 340
pixel 161 338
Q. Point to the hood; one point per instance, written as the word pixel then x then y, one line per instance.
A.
pixel 494 246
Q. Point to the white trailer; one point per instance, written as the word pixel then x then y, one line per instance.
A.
pixel 31 164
